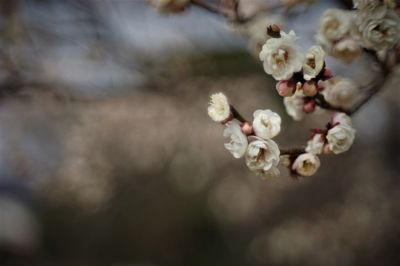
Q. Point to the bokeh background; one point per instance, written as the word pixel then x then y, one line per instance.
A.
pixel 108 157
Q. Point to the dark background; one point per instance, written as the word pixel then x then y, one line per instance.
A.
pixel 108 157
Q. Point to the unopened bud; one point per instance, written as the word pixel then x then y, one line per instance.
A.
pixel 274 31
pixel 326 149
pixel 309 106
pixel 299 85
pixel 320 85
pixel 327 73
pixel 310 88
pixel 247 128
pixel 285 88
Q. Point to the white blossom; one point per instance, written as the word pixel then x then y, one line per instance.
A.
pixel 169 5
pixel 219 109
pixel 238 141
pixel 262 156
pixel 341 92
pixel 266 124
pixel 306 164
pixel 294 106
pixel 367 5
pixel 335 24
pixel 379 29
pixel 371 5
pixel 316 144
pixel 338 35
pixel 315 60
pixel 256 30
pixel 347 50
pixel 342 119
pixel 340 138
pixel 282 56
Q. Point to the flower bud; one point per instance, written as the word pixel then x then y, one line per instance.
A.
pixel 274 31
pixel 285 88
pixel 247 128
pixel 326 149
pixel 320 85
pixel 309 106
pixel 310 88
pixel 328 73
pixel 299 85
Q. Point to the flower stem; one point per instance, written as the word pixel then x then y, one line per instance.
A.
pixel 292 151
pixel 237 115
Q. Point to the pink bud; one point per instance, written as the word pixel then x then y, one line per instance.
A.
pixel 299 85
pixel 326 149
pixel 285 88
pixel 247 129
pixel 309 106
pixel 320 85
pixel 328 73
pixel 310 88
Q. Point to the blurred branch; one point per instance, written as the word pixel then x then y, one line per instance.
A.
pixel 371 92
pixel 386 71
pixel 231 14
pixel 321 102
pixel 292 151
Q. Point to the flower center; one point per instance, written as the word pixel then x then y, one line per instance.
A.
pixel 311 61
pixel 280 57
pixel 264 123
pixel 308 166
pixel 260 154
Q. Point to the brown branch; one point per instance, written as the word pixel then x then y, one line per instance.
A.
pixel 237 115
pixel 321 102
pixel 371 92
pixel 292 151
pixel 232 14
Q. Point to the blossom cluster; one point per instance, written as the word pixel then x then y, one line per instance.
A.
pixel 373 25
pixel 337 35
pixel 301 77
pixel 336 138
pixel 254 141
pixel 377 23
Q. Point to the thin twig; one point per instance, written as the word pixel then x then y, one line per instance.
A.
pixel 237 115
pixel 208 7
pixel 292 151
pixel 232 15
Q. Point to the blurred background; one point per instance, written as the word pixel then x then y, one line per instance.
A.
pixel 108 157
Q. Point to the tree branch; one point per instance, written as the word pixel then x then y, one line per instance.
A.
pixel 292 151
pixel 386 71
pixel 321 102
pixel 237 115
pixel 232 14
pixel 373 91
